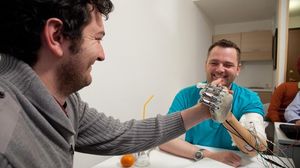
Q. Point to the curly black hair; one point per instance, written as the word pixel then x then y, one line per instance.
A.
pixel 22 21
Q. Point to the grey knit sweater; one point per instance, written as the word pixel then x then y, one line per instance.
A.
pixel 36 133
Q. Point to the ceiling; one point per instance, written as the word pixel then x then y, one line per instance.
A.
pixel 234 11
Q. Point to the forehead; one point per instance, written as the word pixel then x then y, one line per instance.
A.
pixel 96 23
pixel 223 54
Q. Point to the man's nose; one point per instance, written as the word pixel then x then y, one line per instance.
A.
pixel 220 68
pixel 101 54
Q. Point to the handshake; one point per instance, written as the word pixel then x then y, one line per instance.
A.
pixel 217 98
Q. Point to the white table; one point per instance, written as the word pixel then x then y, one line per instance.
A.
pixel 161 159
pixel 290 147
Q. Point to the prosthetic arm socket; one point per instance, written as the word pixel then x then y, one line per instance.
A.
pixel 244 135
pixel 249 140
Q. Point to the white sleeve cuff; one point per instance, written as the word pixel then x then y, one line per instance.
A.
pixel 254 122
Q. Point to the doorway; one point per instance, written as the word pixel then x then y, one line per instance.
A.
pixel 292 74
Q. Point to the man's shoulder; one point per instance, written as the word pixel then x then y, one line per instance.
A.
pixel 7 100
pixel 242 90
pixel 8 89
pixel 9 114
pixel 283 87
pixel 189 89
pixel 288 84
pixel 245 95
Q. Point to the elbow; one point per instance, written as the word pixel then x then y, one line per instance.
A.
pixel 163 147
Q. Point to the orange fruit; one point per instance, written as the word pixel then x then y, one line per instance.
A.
pixel 127 160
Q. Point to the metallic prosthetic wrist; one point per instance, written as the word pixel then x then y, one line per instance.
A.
pixel 218 99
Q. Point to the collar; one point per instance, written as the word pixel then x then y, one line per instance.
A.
pixel 21 76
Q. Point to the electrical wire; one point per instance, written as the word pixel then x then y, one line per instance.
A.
pixel 259 152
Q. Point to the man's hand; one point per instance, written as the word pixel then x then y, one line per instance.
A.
pixel 219 100
pixel 226 157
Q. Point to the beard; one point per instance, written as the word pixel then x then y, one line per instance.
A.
pixel 72 75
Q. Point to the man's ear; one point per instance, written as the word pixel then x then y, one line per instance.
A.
pixel 53 37
pixel 239 69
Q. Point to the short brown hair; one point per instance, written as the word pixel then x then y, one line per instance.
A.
pixel 226 44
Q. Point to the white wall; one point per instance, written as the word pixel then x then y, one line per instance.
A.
pixel 152 48
pixel 294 22
pixel 256 73
pixel 261 73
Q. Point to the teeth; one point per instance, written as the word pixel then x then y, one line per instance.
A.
pixel 218 76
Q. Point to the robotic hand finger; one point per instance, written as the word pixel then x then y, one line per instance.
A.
pixel 218 99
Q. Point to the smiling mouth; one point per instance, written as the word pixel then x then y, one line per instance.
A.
pixel 218 76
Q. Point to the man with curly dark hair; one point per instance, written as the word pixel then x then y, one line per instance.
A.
pixel 47 51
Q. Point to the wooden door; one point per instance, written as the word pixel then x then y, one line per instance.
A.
pixel 292 74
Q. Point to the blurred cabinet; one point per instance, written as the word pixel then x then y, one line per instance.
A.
pixel 255 46
pixel 234 37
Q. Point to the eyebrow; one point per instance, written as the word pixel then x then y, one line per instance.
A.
pixel 226 62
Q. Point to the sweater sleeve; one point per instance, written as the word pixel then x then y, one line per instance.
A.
pixel 274 107
pixel 292 112
pixel 100 134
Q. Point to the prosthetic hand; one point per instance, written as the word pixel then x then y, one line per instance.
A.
pixel 218 99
